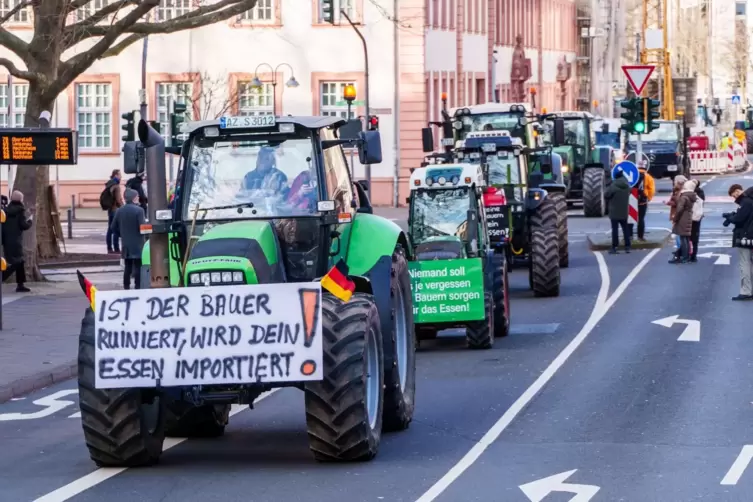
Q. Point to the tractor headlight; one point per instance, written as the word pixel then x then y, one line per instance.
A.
pixel 442 180
pixel 195 279
pixel 205 278
pixel 219 278
pixel 565 168
pixel 238 277
pixel 227 277
pixel 216 277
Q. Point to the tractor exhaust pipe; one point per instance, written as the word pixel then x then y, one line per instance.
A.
pixel 156 184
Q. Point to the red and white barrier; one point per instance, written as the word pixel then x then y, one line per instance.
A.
pixel 707 162
pixel 633 207
pixel 738 158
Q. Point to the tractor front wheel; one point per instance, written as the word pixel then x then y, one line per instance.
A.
pixel 480 334
pixel 501 296
pixel 594 202
pixel 344 410
pixel 560 203
pixel 544 272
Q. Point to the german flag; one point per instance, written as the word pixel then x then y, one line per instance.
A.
pixel 88 288
pixel 336 281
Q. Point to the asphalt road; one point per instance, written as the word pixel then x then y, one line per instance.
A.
pixel 587 395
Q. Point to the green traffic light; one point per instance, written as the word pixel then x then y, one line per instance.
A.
pixel 639 127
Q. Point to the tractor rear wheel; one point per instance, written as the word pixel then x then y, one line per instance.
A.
pixel 187 421
pixel 594 202
pixel 344 410
pixel 122 427
pixel 560 203
pixel 544 272
pixel 400 350
pixel 480 334
pixel 500 292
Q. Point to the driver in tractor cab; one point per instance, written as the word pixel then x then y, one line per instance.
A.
pixel 302 194
pixel 266 176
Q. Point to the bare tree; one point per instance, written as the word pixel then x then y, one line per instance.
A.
pixel 217 96
pixel 94 34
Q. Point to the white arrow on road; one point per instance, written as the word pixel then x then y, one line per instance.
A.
pixel 536 491
pixel 721 258
pixel 691 333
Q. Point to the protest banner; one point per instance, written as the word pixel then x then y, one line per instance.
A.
pixel 447 290
pixel 208 335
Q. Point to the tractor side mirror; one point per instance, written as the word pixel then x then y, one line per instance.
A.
pixel 558 133
pixel 427 139
pixel 363 184
pixel 130 158
pixel 447 131
pixel 605 128
pixel 369 147
pixel 545 163
pixel 472 231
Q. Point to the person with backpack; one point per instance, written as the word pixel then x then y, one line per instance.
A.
pixel 127 222
pixel 110 200
pixel 137 183
pixel 695 231
pixel 646 190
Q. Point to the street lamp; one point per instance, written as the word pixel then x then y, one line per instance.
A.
pixel 256 82
pixel 349 95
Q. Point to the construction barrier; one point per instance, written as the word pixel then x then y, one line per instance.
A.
pixel 707 162
pixel 735 158
pixel 633 206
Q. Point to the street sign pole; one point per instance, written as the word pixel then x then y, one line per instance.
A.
pixel 637 76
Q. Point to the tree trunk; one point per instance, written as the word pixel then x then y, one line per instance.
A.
pixel 33 181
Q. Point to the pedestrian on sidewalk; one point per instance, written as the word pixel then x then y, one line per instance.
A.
pixel 682 225
pixel 110 200
pixel 646 191
pixel 16 223
pixel 137 183
pixel 127 222
pixel 695 231
pixel 742 237
pixel 618 196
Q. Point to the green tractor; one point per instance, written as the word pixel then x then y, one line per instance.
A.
pixel 263 207
pixel 458 280
pixel 586 165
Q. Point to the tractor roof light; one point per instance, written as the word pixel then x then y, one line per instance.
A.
pixel 349 92
pixel 457 125
pixel 467 179
pixel 442 180
pixel 417 182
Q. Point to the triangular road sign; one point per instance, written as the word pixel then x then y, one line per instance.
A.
pixel 638 76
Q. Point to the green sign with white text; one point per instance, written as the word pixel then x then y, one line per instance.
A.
pixel 447 290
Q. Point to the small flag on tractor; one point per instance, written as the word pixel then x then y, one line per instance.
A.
pixel 336 281
pixel 88 288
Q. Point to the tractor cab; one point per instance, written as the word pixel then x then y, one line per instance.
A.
pixel 446 219
pixel 513 118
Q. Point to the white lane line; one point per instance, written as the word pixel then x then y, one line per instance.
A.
pixel 104 473
pixel 738 468
pixel 600 309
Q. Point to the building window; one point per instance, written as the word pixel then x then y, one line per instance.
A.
pixel 20 17
pixel 20 96
pixel 255 101
pixel 349 6
pixel 89 9
pixel 181 92
pixel 740 8
pixel 94 115
pixel 263 12
pixel 170 9
pixel 331 102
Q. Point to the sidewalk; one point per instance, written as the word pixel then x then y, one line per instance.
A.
pixel 39 339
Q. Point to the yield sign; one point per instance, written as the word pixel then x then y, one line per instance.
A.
pixel 638 76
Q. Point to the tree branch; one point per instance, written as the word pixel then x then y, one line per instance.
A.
pixel 22 74
pixel 77 32
pixel 14 44
pixel 14 11
pixel 116 49
pixel 77 4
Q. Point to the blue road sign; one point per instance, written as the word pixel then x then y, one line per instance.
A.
pixel 629 170
pixel 736 99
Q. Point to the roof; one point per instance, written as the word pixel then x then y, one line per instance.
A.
pixel 310 122
pixel 500 139
pixel 573 115
pixel 490 108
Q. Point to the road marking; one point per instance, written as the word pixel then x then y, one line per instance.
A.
pixel 52 404
pixel 738 467
pixel 691 333
pixel 534 329
pixel 104 473
pixel 538 490
pixel 721 258
pixel 601 307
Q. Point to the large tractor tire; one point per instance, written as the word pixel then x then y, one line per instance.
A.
pixel 122 427
pixel 560 203
pixel 400 350
pixel 206 421
pixel 544 271
pixel 501 296
pixel 344 411
pixel 480 334
pixel 594 202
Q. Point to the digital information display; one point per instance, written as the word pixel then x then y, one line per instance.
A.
pixel 38 146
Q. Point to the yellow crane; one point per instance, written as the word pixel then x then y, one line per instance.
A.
pixel 655 18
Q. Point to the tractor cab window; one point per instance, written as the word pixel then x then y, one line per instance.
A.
pixel 440 213
pixel 251 177
pixel 492 122
pixel 667 132
pixel 339 188
pixel 507 171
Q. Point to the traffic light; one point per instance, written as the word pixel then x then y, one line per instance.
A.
pixel 129 127
pixel 373 123
pixel 328 11
pixel 177 117
pixel 652 113
pixel 633 116
pixel 156 125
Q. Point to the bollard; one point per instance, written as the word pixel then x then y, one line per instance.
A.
pixel 73 206
pixel 70 224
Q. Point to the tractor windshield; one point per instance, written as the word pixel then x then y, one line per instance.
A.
pixel 439 213
pixel 493 122
pixel 504 170
pixel 667 132
pixel 252 177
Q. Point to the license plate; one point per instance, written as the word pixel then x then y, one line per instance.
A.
pixel 672 168
pixel 448 142
pixel 248 121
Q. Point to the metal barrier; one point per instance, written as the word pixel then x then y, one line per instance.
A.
pixel 707 162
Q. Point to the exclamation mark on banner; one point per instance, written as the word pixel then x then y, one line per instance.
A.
pixel 310 314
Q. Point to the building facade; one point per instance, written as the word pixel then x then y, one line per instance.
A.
pixel 418 49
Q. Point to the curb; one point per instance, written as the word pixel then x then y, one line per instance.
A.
pixel 80 264
pixel 37 381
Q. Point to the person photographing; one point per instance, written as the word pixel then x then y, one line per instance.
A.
pixel 742 237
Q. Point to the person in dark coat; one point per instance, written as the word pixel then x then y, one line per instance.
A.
pixel 137 183
pixel 618 196
pixel 741 237
pixel 127 221
pixel 16 223
pixel 682 225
